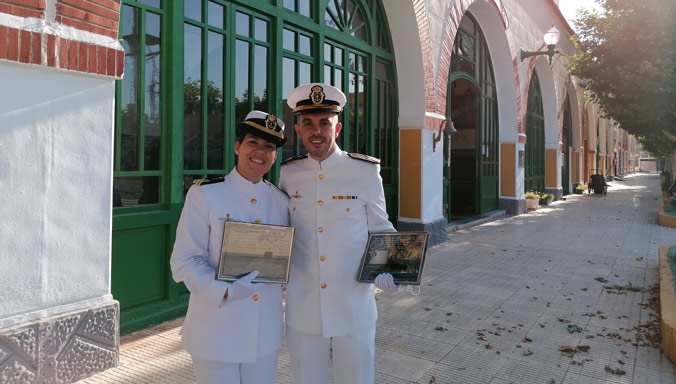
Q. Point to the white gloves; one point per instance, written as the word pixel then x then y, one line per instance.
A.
pixel 242 287
pixel 385 281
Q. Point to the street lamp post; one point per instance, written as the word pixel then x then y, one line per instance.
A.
pixel 551 39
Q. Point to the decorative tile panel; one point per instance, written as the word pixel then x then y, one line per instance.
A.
pixel 15 373
pixel 61 349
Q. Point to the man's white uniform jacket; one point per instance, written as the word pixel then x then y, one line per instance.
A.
pixel 226 331
pixel 333 205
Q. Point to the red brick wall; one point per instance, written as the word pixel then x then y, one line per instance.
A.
pixel 24 8
pixel 428 60
pixel 95 16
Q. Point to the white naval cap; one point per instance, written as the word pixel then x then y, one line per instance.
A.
pixel 263 125
pixel 316 98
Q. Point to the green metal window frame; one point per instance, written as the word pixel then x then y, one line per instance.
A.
pixel 567 139
pixel 140 170
pixel 205 90
pixel 143 234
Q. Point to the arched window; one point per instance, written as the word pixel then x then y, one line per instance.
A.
pixel 535 139
pixel 567 141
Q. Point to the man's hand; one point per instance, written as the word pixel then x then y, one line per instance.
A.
pixel 241 287
pixel 385 281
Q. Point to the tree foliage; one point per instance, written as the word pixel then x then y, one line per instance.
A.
pixel 627 61
pixel 192 97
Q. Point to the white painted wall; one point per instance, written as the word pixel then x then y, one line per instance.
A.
pixel 576 103
pixel 411 86
pixel 56 139
pixel 432 177
pixel 409 62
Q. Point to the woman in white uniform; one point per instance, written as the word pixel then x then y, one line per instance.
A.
pixel 233 331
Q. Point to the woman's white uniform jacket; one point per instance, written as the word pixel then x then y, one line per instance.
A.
pixel 333 205
pixel 214 329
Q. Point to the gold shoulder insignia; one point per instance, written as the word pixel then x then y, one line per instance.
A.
pixel 294 158
pixel 276 187
pixel 368 158
pixel 212 180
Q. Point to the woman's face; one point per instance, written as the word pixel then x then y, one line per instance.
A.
pixel 255 157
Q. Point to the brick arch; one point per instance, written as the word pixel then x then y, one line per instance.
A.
pixel 523 106
pixel 426 47
pixel 493 21
pixel 448 37
pixel 549 98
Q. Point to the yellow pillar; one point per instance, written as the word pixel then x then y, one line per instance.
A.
pixel 508 169
pixel 575 165
pixel 410 169
pixel 550 168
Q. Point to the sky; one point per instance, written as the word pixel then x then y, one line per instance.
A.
pixel 569 8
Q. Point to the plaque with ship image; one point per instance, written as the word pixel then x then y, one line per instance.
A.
pixel 401 254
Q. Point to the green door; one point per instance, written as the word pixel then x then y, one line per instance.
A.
pixel 534 179
pixel 193 68
pixel 463 169
pixel 471 158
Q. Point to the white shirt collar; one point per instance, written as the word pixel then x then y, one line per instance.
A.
pixel 244 183
pixel 328 162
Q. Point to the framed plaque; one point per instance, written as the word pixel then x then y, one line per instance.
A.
pixel 401 254
pixel 248 246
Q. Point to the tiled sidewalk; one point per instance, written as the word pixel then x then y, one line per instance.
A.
pixel 500 300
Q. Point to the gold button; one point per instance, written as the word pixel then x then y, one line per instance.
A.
pixel 322 258
pixel 347 209
pixel 320 230
pixel 255 298
pixel 254 201
pixel 320 203
pixel 321 177
pixel 323 285
pixel 257 221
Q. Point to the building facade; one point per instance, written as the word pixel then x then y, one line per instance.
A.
pixel 111 108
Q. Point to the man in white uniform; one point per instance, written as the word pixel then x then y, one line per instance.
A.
pixel 233 331
pixel 336 199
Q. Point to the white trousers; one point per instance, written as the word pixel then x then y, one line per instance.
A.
pixel 353 357
pixel 215 372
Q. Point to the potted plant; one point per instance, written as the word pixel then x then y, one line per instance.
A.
pixel 546 198
pixel 580 188
pixel 532 200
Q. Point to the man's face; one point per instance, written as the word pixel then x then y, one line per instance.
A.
pixel 256 156
pixel 318 132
